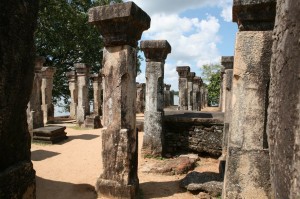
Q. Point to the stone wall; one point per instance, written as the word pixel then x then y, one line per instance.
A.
pixel 190 132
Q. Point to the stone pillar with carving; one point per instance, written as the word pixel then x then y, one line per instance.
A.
pixel 183 72
pixel 47 87
pixel 34 108
pixel 96 81
pixel 156 52
pixel 247 173
pixel 121 26
pixel 196 93
pixel 167 95
pixel 190 78
pixel 72 79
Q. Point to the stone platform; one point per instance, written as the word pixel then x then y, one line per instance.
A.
pixel 49 134
pixel 93 122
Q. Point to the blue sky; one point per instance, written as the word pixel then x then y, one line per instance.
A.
pixel 199 31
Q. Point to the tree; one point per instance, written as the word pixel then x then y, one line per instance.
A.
pixel 208 70
pixel 214 88
pixel 64 37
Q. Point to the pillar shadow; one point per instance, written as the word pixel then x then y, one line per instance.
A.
pixel 81 137
pixel 39 155
pixel 49 189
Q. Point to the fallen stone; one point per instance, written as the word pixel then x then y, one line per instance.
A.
pixel 93 122
pixel 49 134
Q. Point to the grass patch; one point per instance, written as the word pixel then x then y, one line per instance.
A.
pixel 79 128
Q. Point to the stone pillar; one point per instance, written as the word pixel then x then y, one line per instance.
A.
pixel 156 52
pixel 83 106
pixel 140 97
pixel 167 95
pixel 183 72
pixel 247 163
pixel 96 81
pixel 121 26
pixel 47 86
pixel 222 91
pixel 284 106
pixel 34 111
pixel 18 23
pixel 196 93
pixel 172 98
pixel 227 63
pixel 190 79
pixel 72 78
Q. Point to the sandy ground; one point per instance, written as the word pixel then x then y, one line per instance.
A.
pixel 69 170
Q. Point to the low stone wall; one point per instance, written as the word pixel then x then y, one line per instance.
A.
pixel 193 132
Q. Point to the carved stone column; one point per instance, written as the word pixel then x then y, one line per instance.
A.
pixel 121 26
pixel 34 109
pixel 183 72
pixel 140 97
pixel 96 81
pixel 190 78
pixel 47 87
pixel 247 172
pixel 167 95
pixel 72 78
pixel 83 106
pixel 156 52
pixel 222 90
pixel 196 93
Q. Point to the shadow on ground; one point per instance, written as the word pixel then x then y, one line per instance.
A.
pixel 159 189
pixel 39 155
pixel 49 189
pixel 80 137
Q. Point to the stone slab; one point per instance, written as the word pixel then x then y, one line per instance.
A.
pixel 49 134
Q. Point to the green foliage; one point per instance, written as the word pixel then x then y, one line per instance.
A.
pixel 208 70
pixel 214 88
pixel 64 37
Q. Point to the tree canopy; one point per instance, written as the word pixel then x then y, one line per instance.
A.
pixel 64 37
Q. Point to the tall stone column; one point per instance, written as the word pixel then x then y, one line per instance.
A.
pixel 96 81
pixel 227 63
pixel 47 87
pixel 140 97
pixel 196 93
pixel 72 78
pixel 18 23
pixel 156 52
pixel 172 98
pixel 167 95
pixel 190 79
pixel 34 111
pixel 121 26
pixel 83 106
pixel 248 163
pixel 183 72
pixel 284 106
pixel 222 97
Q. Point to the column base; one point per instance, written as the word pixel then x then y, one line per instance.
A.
pixel 18 181
pixel 113 189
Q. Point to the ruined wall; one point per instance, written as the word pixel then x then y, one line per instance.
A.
pixel 18 22
pixel 284 107
pixel 200 135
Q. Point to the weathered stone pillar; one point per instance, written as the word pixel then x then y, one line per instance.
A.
pixel 140 97
pixel 47 87
pixel 248 163
pixel 34 111
pixel 18 23
pixel 96 81
pixel 284 106
pixel 172 98
pixel 121 26
pixel 196 93
pixel 227 63
pixel 167 95
pixel 222 97
pixel 183 72
pixel 190 78
pixel 83 106
pixel 72 78
pixel 156 52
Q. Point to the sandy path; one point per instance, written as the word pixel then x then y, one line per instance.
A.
pixel 70 170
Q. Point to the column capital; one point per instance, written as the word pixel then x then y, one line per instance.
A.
pixel 197 80
pixel 155 50
pixel 120 24
pixel 168 87
pixel 140 85
pixel 183 71
pixel 39 62
pixel 95 77
pixel 254 15
pixel 48 72
pixel 227 62
pixel 191 76
pixel 71 75
pixel 82 69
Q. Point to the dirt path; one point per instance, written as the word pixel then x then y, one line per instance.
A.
pixel 70 170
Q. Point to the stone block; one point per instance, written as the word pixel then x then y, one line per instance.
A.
pixel 49 134
pixel 93 122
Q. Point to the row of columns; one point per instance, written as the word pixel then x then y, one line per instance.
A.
pixel 40 109
pixel 192 93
